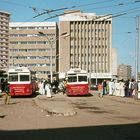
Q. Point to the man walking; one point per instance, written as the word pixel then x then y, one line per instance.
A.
pixel 6 91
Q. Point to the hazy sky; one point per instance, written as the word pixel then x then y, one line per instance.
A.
pixel 123 26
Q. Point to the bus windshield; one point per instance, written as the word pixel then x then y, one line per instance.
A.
pixel 24 78
pixel 13 78
pixel 21 78
pixel 72 79
pixel 82 78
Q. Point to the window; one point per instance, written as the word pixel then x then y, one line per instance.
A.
pixel 24 78
pixel 13 28
pixel 13 42
pixel 23 42
pixel 32 42
pixel 72 79
pixel 22 28
pixel 13 77
pixel 22 35
pixel 31 28
pixel 82 78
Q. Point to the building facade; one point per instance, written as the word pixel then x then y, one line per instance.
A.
pixel 124 72
pixel 89 45
pixel 34 45
pixel 4 39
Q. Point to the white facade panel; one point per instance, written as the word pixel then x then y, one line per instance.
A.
pixel 34 24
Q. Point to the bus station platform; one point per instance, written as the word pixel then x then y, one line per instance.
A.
pixel 58 105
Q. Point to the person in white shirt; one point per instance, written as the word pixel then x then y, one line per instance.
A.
pixel 111 87
pixel 122 88
pixel 48 89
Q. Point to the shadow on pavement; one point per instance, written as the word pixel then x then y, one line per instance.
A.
pixel 107 132
pixel 87 95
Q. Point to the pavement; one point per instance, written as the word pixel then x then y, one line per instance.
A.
pixel 60 105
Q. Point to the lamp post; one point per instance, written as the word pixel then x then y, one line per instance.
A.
pixel 137 54
pixel 52 42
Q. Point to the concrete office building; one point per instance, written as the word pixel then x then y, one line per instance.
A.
pixel 88 46
pixel 33 44
pixel 4 39
pixel 124 72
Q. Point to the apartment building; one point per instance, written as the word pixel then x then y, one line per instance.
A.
pixel 124 72
pixel 89 44
pixel 34 45
pixel 4 39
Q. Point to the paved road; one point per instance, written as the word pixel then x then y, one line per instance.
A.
pixel 97 118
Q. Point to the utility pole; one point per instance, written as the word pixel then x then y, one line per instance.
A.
pixel 51 43
pixel 137 54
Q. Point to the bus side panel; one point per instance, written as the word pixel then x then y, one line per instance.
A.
pixel 77 89
pixel 20 89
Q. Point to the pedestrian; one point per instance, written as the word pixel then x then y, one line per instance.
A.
pixel 127 88
pixel 7 92
pixel 100 89
pixel 133 88
pixel 111 87
pixel 116 88
pixel 2 84
pixel 138 89
pixel 122 88
pixel 48 89
pixel 64 86
pixel 55 85
pixel 104 87
pixel 41 87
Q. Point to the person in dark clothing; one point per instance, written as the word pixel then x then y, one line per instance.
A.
pixel 2 85
pixel 104 87
pixel 55 85
pixel 6 91
pixel 127 88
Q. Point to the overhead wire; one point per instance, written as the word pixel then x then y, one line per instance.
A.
pixel 118 14
pixel 70 7
pixel 114 15
pixel 21 5
pixel 93 3
pixel 14 3
pixel 125 12
pixel 54 10
pixel 111 6
pixel 65 8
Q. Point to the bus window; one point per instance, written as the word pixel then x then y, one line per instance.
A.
pixel 72 79
pixel 24 78
pixel 82 78
pixel 13 78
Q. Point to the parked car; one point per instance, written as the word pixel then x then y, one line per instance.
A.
pixel 93 87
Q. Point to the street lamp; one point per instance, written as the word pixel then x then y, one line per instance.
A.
pixel 137 55
pixel 52 42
